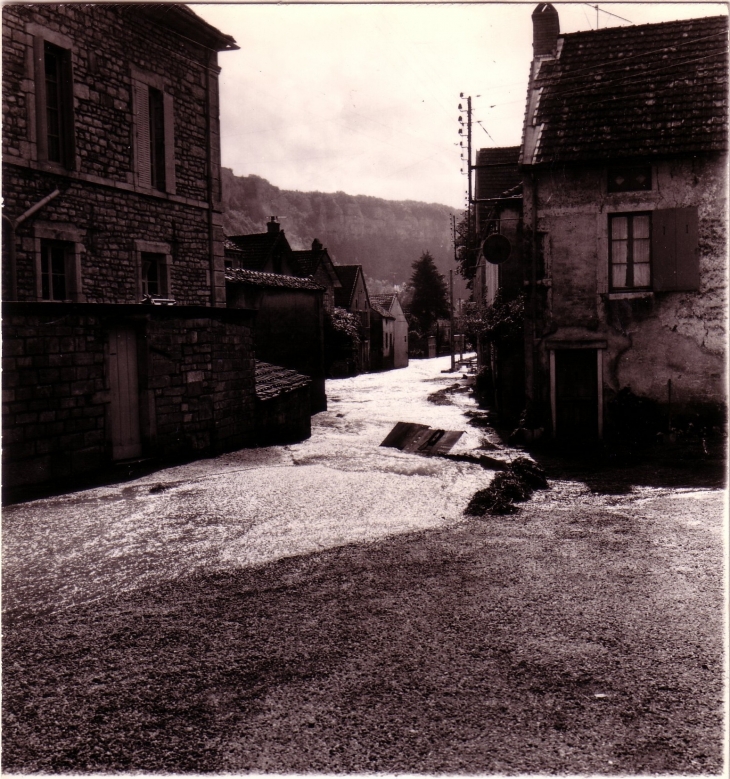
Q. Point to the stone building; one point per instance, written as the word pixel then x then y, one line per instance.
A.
pixel 353 297
pixel 624 162
pixel 111 187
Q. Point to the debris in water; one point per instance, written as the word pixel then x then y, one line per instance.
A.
pixel 421 439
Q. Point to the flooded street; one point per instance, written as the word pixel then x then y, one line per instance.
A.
pixel 327 607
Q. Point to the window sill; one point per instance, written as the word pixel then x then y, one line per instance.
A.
pixel 633 295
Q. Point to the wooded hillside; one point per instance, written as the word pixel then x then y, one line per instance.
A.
pixel 384 236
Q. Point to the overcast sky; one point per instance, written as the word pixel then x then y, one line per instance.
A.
pixel 364 98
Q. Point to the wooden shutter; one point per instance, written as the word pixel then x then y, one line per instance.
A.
pixel 688 250
pixel 143 163
pixel 169 143
pixel 675 250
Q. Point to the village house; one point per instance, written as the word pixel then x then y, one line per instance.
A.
pixel 316 264
pixel 263 274
pixel 117 342
pixel 353 297
pixel 624 162
pixel 498 277
pixel 398 329
pixel 382 324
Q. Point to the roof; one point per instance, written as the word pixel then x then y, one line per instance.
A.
pixel 657 89
pixel 255 249
pixel 273 380
pixel 307 260
pixel 186 23
pixel 497 171
pixel 348 277
pixel 378 308
pixel 385 300
pixel 259 279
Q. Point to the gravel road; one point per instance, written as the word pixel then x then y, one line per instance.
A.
pixel 326 607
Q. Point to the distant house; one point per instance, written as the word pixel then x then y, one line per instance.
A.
pixel 353 297
pixel 382 325
pixel 316 264
pixel 289 323
pixel 624 161
pixel 391 305
pixel 117 343
pixel 267 252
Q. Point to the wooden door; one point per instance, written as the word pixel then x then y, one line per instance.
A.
pixel 576 394
pixel 124 392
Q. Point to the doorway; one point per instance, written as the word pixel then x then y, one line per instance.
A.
pixel 575 396
pixel 124 394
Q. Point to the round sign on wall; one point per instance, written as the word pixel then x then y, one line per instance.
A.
pixel 496 249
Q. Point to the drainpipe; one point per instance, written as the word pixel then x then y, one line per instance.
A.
pixel 211 68
pixel 12 227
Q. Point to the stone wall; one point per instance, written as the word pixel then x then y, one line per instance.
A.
pixel 650 338
pixel 196 385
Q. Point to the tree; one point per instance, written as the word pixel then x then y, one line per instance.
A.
pixel 429 301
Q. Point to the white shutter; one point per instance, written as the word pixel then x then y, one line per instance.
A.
pixel 143 164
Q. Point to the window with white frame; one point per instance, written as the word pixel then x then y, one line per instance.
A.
pixel 630 251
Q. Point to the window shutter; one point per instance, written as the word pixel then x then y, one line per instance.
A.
pixel 67 90
pixel 169 143
pixel 143 164
pixel 688 252
pixel 675 250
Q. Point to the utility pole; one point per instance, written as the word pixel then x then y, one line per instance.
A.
pixel 451 317
pixel 469 168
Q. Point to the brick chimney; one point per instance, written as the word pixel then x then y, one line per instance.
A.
pixel 316 245
pixel 272 226
pixel 545 29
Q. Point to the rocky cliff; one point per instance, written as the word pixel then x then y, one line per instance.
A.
pixel 384 236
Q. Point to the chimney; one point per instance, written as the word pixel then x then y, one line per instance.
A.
pixel 272 226
pixel 316 245
pixel 545 30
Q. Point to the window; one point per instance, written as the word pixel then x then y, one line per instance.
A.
pixel 154 275
pixel 656 251
pixel 630 251
pixel 629 178
pixel 154 135
pixel 54 271
pixel 58 249
pixel 154 263
pixel 54 97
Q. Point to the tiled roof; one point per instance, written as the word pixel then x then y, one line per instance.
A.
pixel 229 246
pixel 386 301
pixel 497 171
pixel 633 91
pixel 255 249
pixel 273 380
pixel 377 307
pixel 306 260
pixel 259 279
pixel 347 275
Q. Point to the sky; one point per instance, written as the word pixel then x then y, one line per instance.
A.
pixel 363 98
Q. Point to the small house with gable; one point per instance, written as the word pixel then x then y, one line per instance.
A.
pixel 399 329
pixel 353 297
pixel 624 163
pixel 316 264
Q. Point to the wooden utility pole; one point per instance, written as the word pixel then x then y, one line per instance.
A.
pixel 451 317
